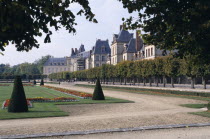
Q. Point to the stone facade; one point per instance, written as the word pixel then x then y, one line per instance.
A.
pixel 100 53
pixel 54 65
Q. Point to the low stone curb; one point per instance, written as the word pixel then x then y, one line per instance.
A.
pixel 155 127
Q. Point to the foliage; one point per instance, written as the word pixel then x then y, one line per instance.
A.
pixel 42 82
pixel 98 92
pixel 208 106
pixel 18 101
pixel 170 25
pixel 34 82
pixel 21 22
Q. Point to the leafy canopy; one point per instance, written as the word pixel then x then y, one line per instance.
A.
pixel 173 24
pixel 22 21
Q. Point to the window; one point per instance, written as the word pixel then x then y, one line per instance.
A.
pixel 55 64
pixel 103 49
pixel 58 63
pixel 97 58
pixel 124 58
pixel 151 51
pixel 146 52
pixel 103 58
pixel 97 65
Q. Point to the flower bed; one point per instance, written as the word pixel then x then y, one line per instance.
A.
pixel 71 92
pixel 6 104
pixel 41 99
pixel 58 99
pixel 28 85
pixel 4 85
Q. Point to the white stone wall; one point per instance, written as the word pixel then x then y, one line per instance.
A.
pixel 117 53
pixel 128 56
pixel 54 69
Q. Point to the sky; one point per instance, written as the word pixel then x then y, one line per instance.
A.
pixel 109 14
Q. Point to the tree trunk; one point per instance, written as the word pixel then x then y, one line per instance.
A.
pixel 204 82
pixel 144 81
pixel 113 80
pixel 125 81
pixel 138 81
pixel 172 82
pixel 164 81
pixel 192 83
pixel 157 81
pixel 150 81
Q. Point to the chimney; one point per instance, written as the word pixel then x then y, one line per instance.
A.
pixel 122 27
pixel 76 51
pixel 72 52
pixel 138 40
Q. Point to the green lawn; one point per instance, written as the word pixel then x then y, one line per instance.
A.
pixel 44 109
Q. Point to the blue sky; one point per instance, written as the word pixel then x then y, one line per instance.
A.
pixel 109 14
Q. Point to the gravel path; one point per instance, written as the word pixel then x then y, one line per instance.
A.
pixel 147 110
pixel 186 133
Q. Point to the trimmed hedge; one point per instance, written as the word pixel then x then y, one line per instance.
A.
pixel 208 106
pixel 42 82
pixel 98 92
pixel 18 102
pixel 200 94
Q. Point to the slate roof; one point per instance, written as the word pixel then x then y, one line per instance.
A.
pixel 98 48
pixel 82 48
pixel 124 36
pixel 56 62
pixel 131 46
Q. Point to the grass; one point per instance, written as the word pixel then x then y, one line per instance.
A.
pixel 196 106
pixel 44 109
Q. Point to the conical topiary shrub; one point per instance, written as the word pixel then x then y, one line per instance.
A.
pixel 18 102
pixel 98 92
pixel 42 82
pixel 208 106
pixel 34 82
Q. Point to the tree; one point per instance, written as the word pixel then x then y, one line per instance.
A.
pixel 190 68
pixel 34 82
pixel 173 24
pixel 42 82
pixel 98 92
pixel 171 68
pixel 18 102
pixel 21 22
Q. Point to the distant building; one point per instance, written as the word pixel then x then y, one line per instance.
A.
pixel 100 53
pixel 54 65
pixel 77 59
pixel 118 45
pixel 123 47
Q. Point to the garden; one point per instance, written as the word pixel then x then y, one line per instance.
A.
pixel 43 101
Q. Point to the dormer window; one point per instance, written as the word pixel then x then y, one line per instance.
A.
pixel 103 49
pixel 55 64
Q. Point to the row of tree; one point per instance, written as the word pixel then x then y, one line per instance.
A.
pixel 142 71
pixel 27 70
